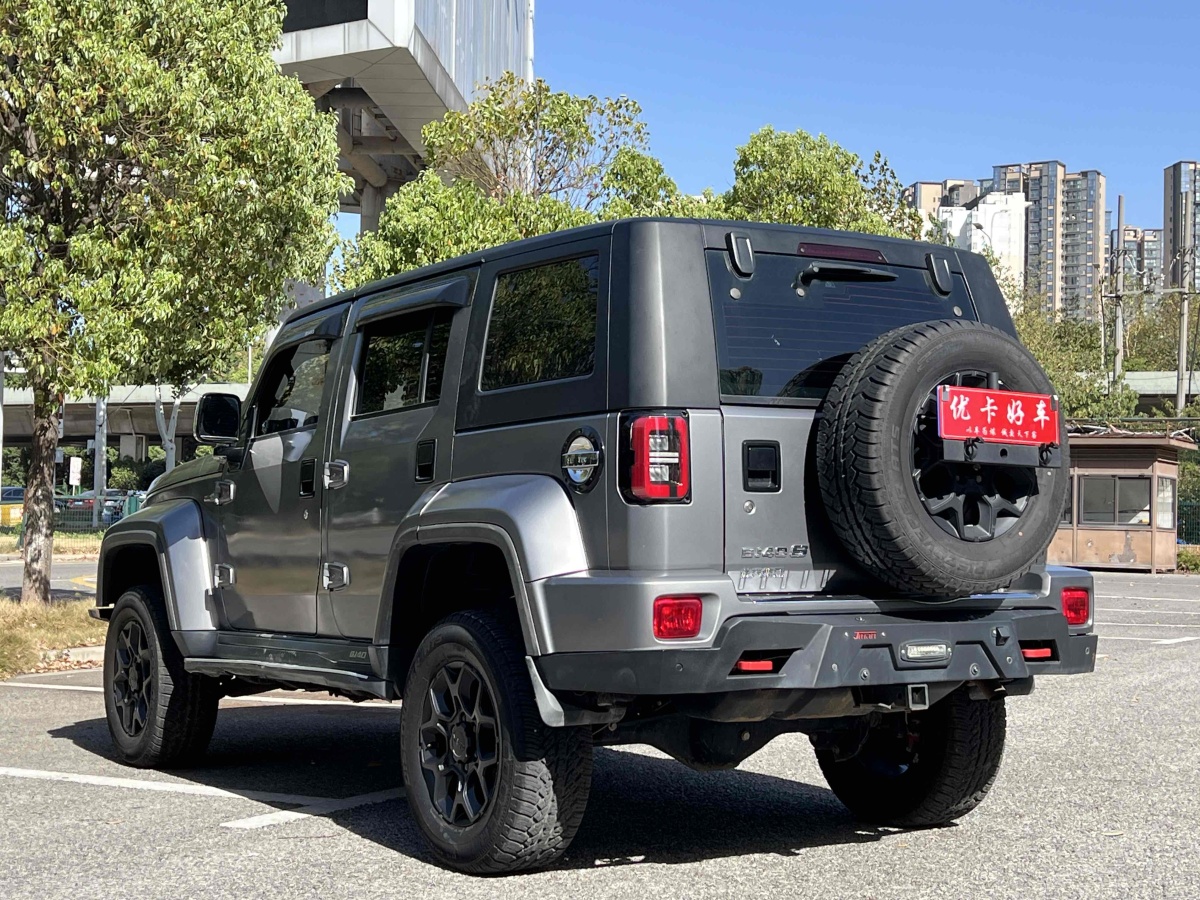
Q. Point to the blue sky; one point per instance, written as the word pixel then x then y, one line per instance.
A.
pixel 945 90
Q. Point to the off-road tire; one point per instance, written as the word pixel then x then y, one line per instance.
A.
pixel 958 753
pixel 181 708
pixel 545 773
pixel 864 462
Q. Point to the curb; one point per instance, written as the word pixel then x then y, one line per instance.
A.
pixel 75 655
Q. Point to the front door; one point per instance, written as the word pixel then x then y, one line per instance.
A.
pixel 271 527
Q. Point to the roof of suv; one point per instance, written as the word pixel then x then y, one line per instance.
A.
pixel 915 249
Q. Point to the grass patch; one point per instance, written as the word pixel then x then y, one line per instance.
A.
pixel 1188 558
pixel 28 629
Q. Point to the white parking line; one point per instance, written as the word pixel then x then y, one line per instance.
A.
pixel 320 808
pixel 1182 640
pixel 1125 637
pixel 1157 612
pixel 1164 599
pixel 1143 625
pixel 169 787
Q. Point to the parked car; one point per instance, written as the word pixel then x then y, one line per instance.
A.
pixel 114 502
pixel 12 495
pixel 687 484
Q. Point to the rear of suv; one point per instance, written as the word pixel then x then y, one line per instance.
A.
pixel 690 484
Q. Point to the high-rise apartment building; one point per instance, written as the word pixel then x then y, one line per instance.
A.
pixel 1150 258
pixel 993 223
pixel 1065 233
pixel 929 196
pixel 1181 224
pixel 1082 220
pixel 1142 258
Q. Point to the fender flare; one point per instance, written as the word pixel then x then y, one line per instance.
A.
pixel 175 531
pixel 530 518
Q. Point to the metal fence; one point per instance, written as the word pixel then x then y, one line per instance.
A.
pixel 74 532
pixel 1189 522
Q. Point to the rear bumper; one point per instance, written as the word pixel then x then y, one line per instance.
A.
pixel 817 651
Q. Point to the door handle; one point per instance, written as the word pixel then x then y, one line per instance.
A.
pixel 337 473
pixel 223 493
pixel 308 477
pixel 426 455
pixel 335 576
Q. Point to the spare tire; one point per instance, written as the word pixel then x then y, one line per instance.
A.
pixel 920 523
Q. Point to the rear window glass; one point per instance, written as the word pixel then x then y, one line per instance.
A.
pixel 543 324
pixel 779 337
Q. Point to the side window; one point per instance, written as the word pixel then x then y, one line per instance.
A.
pixel 403 362
pixel 290 394
pixel 542 325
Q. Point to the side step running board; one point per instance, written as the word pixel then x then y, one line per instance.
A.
pixel 285 673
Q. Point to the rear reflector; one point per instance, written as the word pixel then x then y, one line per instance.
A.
pixel 1037 652
pixel 754 665
pixel 1076 605
pixel 677 617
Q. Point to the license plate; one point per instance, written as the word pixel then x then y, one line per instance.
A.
pixel 995 416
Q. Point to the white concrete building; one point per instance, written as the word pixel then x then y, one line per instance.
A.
pixel 388 67
pixel 994 222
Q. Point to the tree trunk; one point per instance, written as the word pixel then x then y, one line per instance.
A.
pixel 39 497
pixel 166 430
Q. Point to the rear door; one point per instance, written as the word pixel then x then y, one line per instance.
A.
pixel 783 334
pixel 393 441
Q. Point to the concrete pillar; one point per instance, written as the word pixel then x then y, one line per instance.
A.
pixel 372 206
pixel 133 446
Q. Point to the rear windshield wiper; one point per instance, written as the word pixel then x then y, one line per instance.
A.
pixel 844 272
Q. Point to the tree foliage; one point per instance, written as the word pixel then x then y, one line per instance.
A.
pixel 523 160
pixel 796 179
pixel 519 138
pixel 161 181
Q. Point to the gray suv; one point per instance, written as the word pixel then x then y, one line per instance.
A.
pixel 681 483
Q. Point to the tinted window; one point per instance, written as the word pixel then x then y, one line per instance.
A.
pixel 779 335
pixel 290 394
pixel 398 355
pixel 543 324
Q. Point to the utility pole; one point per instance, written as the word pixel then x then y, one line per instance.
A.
pixel 1119 337
pixel 1181 380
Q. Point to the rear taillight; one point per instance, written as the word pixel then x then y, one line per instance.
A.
pixel 657 460
pixel 677 617
pixel 1076 605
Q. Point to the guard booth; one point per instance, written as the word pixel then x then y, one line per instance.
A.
pixel 1122 507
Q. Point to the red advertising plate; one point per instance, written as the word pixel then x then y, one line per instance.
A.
pixel 996 416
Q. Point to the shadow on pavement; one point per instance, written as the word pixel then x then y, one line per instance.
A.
pixel 642 808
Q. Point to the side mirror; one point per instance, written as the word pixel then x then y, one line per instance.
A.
pixel 218 418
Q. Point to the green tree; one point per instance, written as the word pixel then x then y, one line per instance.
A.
pixel 523 139
pixel 161 180
pixel 793 178
pixel 1068 348
pixel 520 161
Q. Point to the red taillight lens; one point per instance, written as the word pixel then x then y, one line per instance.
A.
pixel 677 617
pixel 1076 605
pixel 659 462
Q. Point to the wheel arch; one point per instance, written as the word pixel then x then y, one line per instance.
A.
pixel 477 544
pixel 169 537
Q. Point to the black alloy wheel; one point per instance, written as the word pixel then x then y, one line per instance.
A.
pixel 970 501
pixel 460 744
pixel 133 681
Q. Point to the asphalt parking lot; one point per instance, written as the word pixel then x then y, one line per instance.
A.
pixel 1099 796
